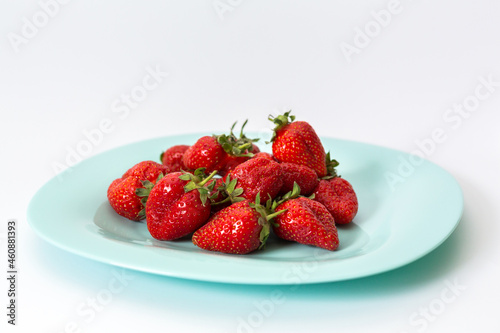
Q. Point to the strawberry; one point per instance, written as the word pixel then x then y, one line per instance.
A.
pixel 264 155
pixel 305 177
pixel 258 175
pixel 122 193
pixel 172 158
pixel 232 161
pixel 307 222
pixel 297 142
pixel 220 152
pixel 177 205
pixel 338 196
pixel 240 228
pixel 206 153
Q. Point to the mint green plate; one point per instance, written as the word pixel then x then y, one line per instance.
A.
pixel 407 207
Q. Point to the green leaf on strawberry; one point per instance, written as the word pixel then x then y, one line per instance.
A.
pixel 331 164
pixel 143 193
pixel 198 181
pixel 241 146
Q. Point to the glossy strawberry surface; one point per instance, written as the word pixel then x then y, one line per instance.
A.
pixel 172 158
pixel 205 153
pixel 122 191
pixel 307 222
pixel 298 143
pixel 234 229
pixel 258 175
pixel 171 212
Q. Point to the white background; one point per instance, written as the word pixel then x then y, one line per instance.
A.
pixel 250 59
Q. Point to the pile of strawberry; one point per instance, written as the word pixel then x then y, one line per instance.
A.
pixel 230 196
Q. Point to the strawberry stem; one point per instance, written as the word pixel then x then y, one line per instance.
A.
pixel 242 127
pixel 273 215
pixel 245 146
pixel 294 193
pixel 234 146
pixel 208 178
pixel 198 181
pixel 267 214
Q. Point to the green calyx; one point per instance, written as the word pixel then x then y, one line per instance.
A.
pixel 229 190
pixel 267 214
pixel 235 146
pixel 294 193
pixel 331 164
pixel 280 122
pixel 198 181
pixel 143 193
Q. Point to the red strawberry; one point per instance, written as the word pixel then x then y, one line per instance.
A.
pixel 297 142
pixel 205 153
pixel 338 196
pixel 122 191
pixel 240 228
pixel 145 170
pixel 264 155
pixel 307 222
pixel 172 158
pixel 178 205
pixel 258 175
pixel 305 177
pixel 219 152
pixel 232 161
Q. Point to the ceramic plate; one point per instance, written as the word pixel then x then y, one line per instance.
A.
pixel 407 207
